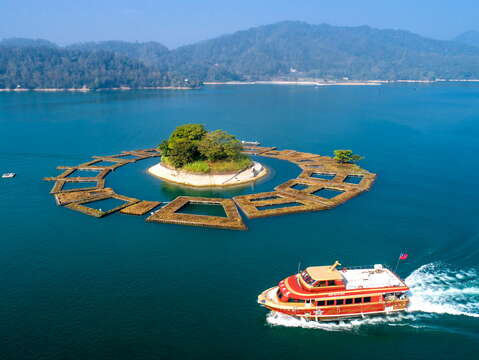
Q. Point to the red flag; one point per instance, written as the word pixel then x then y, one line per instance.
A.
pixel 403 256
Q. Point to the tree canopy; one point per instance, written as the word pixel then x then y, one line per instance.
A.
pixel 346 156
pixel 32 67
pixel 191 142
pixel 219 145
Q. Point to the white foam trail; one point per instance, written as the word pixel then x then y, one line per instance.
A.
pixel 278 319
pixel 436 288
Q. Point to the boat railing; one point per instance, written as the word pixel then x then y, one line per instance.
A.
pixel 357 267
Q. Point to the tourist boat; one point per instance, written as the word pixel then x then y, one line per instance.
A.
pixel 328 293
pixel 8 175
pixel 253 143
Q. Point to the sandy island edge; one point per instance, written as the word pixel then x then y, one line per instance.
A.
pixel 249 175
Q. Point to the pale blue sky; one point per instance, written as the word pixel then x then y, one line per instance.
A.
pixel 179 22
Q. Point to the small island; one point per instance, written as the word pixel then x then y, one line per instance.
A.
pixel 194 156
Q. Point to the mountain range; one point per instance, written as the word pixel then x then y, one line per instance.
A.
pixel 286 50
pixel 469 38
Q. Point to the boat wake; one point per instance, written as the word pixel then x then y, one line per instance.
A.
pixel 435 289
pixel 278 319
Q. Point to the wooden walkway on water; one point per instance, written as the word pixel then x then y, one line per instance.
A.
pixel 319 175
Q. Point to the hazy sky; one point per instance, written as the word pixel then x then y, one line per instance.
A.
pixel 179 22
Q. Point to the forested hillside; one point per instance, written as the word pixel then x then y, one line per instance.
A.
pixel 285 50
pixel 149 53
pixel 298 49
pixel 32 66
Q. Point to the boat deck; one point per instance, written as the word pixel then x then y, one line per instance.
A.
pixel 370 278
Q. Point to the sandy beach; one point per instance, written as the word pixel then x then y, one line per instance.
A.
pixel 251 174
pixel 305 82
pixel 335 83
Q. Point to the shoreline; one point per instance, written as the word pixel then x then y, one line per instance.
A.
pixel 259 82
pixel 85 90
pixel 251 174
pixel 338 83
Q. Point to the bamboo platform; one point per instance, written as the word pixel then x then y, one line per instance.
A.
pixel 340 175
pixel 297 195
pixel 102 172
pixel 91 165
pixel 251 204
pixel 140 208
pixel 115 158
pixel 298 157
pixel 153 151
pixel 347 191
pixel 65 198
pixel 59 184
pixel 138 155
pixel 169 214
pixel 143 154
pixel 82 206
pixel 277 154
pixel 256 150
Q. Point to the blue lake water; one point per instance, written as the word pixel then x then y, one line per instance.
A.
pixel 77 287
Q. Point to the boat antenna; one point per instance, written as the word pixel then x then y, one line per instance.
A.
pixel 333 267
pixel 299 266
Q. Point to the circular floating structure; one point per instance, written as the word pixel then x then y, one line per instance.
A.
pixel 322 184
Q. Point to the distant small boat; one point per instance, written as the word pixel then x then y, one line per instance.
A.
pixel 8 175
pixel 255 143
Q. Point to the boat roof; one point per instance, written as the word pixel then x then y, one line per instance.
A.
pixel 370 278
pixel 323 273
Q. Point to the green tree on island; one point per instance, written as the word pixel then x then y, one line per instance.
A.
pixel 182 146
pixel 192 148
pixel 346 156
pixel 219 145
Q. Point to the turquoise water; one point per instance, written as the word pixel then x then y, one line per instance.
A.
pixel 77 287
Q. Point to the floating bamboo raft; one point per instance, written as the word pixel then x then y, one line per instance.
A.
pixel 319 175
pixel 140 208
pixel 82 206
pixel 169 214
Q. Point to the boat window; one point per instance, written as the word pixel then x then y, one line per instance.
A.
pixel 320 303
pixel 340 302
pixel 279 294
pixel 367 299
pixel 295 300
pixel 349 301
pixel 309 280
pixel 331 283
pixel 330 302
pixel 357 300
pixel 321 283
pixel 389 296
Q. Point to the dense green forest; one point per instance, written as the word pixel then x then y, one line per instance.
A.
pixel 285 50
pixel 297 49
pixel 34 64
pixel 149 53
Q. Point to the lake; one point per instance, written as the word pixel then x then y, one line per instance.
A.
pixel 77 287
